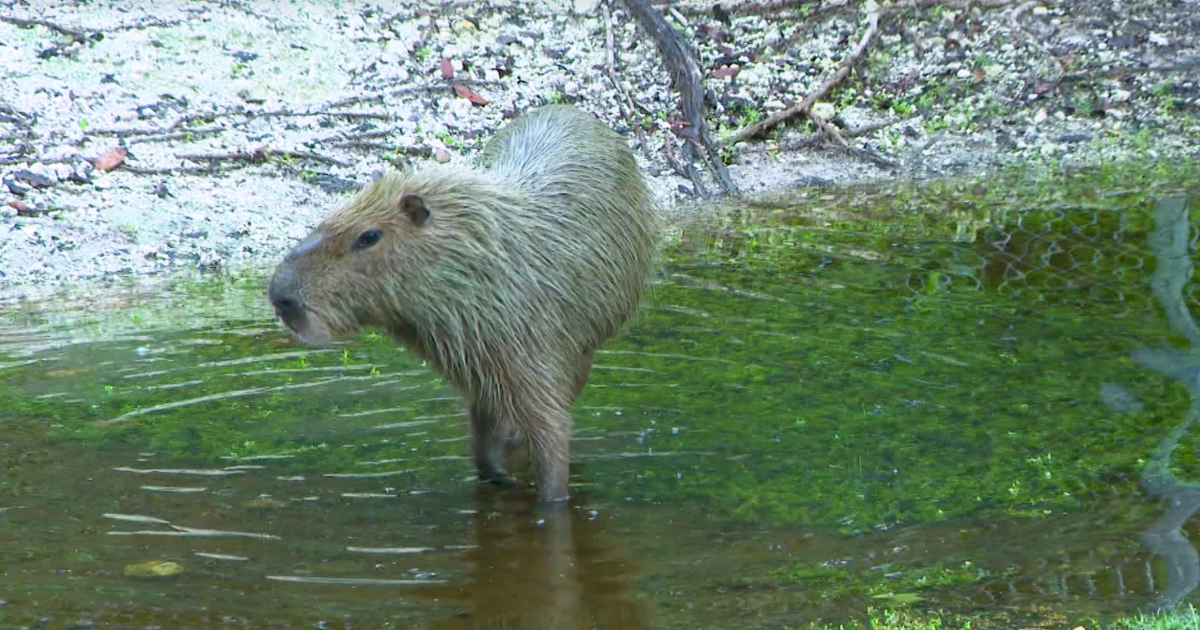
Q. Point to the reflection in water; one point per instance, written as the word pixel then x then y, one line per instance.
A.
pixel 1172 244
pixel 543 570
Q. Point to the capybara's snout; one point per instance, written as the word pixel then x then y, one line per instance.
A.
pixel 284 290
pixel 284 295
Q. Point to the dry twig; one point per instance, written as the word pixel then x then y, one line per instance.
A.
pixel 802 108
pixel 625 102
pixel 258 156
pixel 84 35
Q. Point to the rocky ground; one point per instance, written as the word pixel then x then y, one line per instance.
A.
pixel 140 137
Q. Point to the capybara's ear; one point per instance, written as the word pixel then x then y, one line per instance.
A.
pixel 414 207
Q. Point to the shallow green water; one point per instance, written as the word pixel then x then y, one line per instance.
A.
pixel 974 397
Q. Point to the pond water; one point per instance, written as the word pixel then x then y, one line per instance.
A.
pixel 973 397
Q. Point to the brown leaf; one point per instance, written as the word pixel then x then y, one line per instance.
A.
pixel 726 72
pixel 463 91
pixel 979 75
pixel 21 207
pixel 679 122
pixel 1042 88
pixel 111 159
pixel 712 32
pixel 447 68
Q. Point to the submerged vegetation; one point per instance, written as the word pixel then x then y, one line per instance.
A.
pixel 914 374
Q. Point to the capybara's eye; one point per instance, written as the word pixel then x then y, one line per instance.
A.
pixel 367 239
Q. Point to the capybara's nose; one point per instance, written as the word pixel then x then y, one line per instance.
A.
pixel 282 293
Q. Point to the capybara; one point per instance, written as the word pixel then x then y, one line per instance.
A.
pixel 505 277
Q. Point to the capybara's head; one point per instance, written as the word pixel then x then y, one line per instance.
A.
pixel 356 268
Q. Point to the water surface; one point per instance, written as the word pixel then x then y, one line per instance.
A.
pixel 974 397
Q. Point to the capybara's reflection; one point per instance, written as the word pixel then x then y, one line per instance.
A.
pixel 543 568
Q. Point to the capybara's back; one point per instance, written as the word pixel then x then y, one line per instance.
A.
pixel 505 279
pixel 589 212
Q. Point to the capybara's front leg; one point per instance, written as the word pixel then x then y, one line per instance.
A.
pixel 549 448
pixel 582 368
pixel 490 442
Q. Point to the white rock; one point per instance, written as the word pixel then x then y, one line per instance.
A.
pixel 44 171
pixel 1040 116
pixel 586 7
pixel 824 110
pixel 61 171
pixel 1120 96
pixel 1158 39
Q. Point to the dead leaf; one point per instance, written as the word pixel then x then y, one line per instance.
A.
pixel 712 32
pixel 441 155
pixel 1042 88
pixel 21 207
pixel 726 72
pixel 447 68
pixel 980 74
pixel 679 122
pixel 111 159
pixel 463 91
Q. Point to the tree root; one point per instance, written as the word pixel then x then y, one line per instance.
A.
pixel 688 80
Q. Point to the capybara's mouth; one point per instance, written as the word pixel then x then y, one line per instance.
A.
pixel 308 329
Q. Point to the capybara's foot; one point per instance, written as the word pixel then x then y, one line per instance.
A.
pixel 551 471
pixel 553 496
pixel 497 477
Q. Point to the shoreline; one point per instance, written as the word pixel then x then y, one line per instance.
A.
pixel 244 125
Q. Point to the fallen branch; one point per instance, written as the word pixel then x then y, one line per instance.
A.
pixel 820 136
pixel 803 107
pixel 1094 73
pixel 689 82
pixel 383 147
pixel 179 170
pixel 175 135
pixel 78 35
pixel 758 6
pixel 147 131
pixel 259 156
pixel 324 109
pixel 379 96
pixel 84 35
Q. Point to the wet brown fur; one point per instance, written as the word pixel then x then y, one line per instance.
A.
pixel 523 268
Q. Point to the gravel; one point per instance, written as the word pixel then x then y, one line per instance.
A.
pixel 298 108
